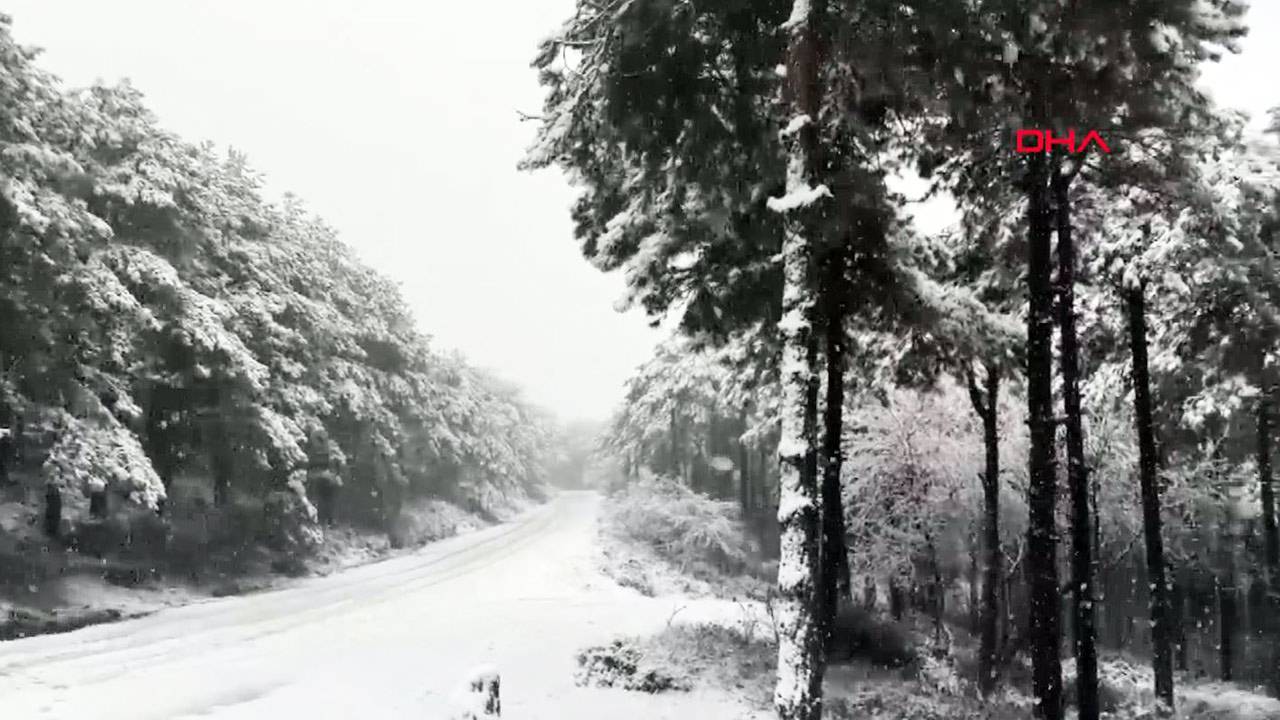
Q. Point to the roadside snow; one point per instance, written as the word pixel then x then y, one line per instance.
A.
pixel 392 639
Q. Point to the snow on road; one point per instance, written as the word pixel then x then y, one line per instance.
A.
pixel 389 640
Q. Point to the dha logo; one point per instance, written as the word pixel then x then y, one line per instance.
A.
pixel 1038 141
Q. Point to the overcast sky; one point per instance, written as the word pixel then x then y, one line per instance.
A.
pixel 396 120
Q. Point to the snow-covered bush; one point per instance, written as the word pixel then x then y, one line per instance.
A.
pixel 622 664
pixel 478 697
pixel 291 519
pixel 685 526
pixel 423 521
pixel 1126 691
pixel 99 454
pixel 898 701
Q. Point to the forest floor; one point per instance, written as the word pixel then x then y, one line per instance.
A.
pixel 47 589
pixel 736 653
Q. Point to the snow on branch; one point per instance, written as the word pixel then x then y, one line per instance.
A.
pixel 800 12
pixel 797 124
pixel 798 198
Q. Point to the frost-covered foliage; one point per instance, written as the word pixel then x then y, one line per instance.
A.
pixel 685 526
pixel 1125 688
pixel 692 656
pixel 913 482
pixel 163 318
pixel 100 454
pixel 623 665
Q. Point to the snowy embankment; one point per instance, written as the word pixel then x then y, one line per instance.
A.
pixel 663 542
pixel 51 592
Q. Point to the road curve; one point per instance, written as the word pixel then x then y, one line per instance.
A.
pixel 387 640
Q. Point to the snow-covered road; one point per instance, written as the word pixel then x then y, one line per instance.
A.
pixel 389 640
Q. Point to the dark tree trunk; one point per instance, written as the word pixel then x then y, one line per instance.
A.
pixel 986 404
pixel 328 497
pixel 896 600
pixel 674 459
pixel 835 559
pixel 744 472
pixel 936 601
pixel 1228 616
pixel 8 440
pixel 975 594
pixel 1161 626
pixel 159 440
pixel 1270 626
pixel 52 511
pixel 1271 538
pixel 1179 602
pixel 220 462
pixel 1082 584
pixel 1044 623
pixel 98 504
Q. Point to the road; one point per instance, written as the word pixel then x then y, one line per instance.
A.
pixel 387 640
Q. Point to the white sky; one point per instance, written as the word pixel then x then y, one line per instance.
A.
pixel 396 121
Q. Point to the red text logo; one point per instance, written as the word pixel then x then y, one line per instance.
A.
pixel 1037 141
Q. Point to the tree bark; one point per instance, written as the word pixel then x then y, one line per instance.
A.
pixel 744 471
pixel 835 558
pixel 98 504
pixel 1161 628
pixel 1044 624
pixel 52 510
pixel 1082 582
pixel 986 404
pixel 1228 616
pixel 1271 537
pixel 1178 603
pixel 675 447
pixel 801 660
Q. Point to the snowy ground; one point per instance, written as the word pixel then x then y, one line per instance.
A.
pixel 387 640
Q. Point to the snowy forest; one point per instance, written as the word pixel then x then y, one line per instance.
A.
pixel 189 371
pixel 1047 431
pixel 938 424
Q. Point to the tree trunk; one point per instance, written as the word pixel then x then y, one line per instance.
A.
pixel 934 593
pixel 1161 628
pixel 52 510
pixel 986 404
pixel 7 440
pixel 1082 585
pixel 1228 616
pixel 975 595
pixel 1044 624
pixel 675 447
pixel 801 660
pixel 98 504
pixel 835 558
pixel 1270 538
pixel 1178 598
pixel 896 601
pixel 744 472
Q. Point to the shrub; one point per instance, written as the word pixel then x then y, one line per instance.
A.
pixel 422 521
pixel 858 633
pixel 622 664
pixel 687 527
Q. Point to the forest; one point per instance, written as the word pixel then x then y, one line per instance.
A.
pixel 1051 424
pixel 190 370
